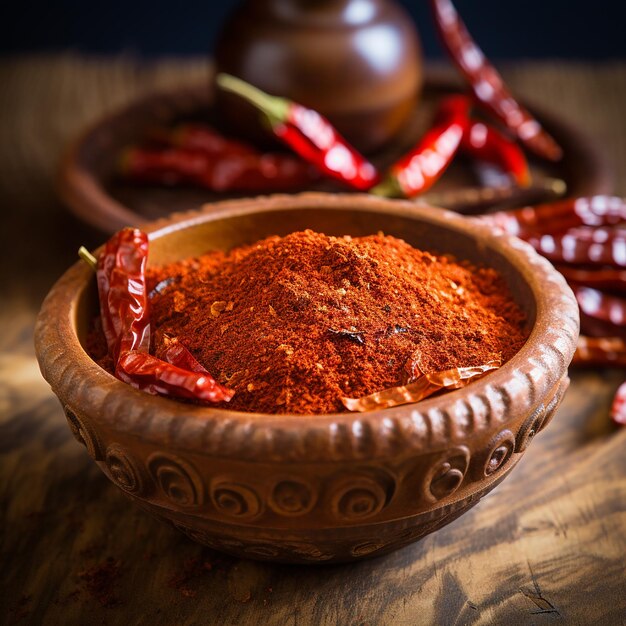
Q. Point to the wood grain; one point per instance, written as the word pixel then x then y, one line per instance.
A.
pixel 549 542
pixel 547 546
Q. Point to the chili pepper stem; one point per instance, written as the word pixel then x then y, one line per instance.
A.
pixel 276 109
pixel 388 188
pixel 89 258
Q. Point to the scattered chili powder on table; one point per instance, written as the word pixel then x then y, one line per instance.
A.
pixel 295 323
pixel 101 581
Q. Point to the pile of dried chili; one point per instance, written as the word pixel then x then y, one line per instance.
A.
pixel 586 240
pixel 309 323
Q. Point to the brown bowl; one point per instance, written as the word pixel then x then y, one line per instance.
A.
pixel 322 488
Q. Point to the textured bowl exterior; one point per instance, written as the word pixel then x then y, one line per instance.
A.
pixel 320 488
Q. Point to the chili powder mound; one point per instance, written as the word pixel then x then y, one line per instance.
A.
pixel 294 323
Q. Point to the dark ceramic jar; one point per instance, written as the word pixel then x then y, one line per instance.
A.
pixel 356 61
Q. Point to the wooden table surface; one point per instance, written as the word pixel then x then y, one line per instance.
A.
pixel 547 546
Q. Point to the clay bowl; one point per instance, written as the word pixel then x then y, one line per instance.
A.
pixel 320 488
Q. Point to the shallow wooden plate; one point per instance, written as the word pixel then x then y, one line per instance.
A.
pixel 89 187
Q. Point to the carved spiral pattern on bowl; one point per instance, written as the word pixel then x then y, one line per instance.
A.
pixel 178 480
pixel 541 416
pixel 124 470
pixel 358 497
pixel 447 474
pixel 498 453
pixel 292 498
pixel 554 404
pixel 531 426
pixel 235 500
pixel 84 434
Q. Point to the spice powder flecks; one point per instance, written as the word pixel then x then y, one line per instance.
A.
pixel 294 323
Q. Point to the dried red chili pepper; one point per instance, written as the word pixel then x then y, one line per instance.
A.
pixel 420 386
pixel 562 215
pixel 124 311
pixel 598 234
pixel 580 248
pixel 487 84
pixel 122 292
pixel 594 327
pixel 609 351
pixel 600 278
pixel 229 172
pixel 601 314
pixel 148 373
pixel 570 231
pixel 486 143
pixel 588 233
pixel 309 134
pixel 417 171
pixel 175 353
pixel 200 138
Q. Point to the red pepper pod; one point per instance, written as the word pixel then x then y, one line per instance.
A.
pixel 600 278
pixel 487 84
pixel 581 250
pixel 124 311
pixel 557 217
pixel 177 354
pixel 231 172
pixel 166 167
pixel 417 171
pixel 603 351
pixel 197 137
pixel 203 138
pixel 148 373
pixel 308 134
pixel 268 172
pixel 122 291
pixel 486 143
pixel 609 312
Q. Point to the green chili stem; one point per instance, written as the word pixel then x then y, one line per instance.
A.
pixel 388 188
pixel 276 109
pixel 89 258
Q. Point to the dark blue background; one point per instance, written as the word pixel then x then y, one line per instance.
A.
pixel 578 29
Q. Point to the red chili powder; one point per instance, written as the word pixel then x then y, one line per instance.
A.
pixel 294 323
pixel 101 580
